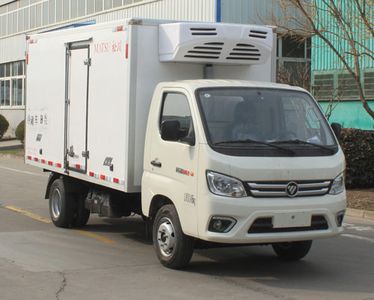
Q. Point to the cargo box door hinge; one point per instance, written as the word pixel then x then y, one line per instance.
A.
pixel 86 154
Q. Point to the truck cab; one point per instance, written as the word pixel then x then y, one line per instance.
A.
pixel 241 162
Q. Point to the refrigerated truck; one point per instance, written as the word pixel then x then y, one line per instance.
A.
pixel 181 123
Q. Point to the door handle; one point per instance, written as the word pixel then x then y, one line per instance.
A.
pixel 70 151
pixel 156 163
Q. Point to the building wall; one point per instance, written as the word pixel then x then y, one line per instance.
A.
pixel 324 59
pixel 42 15
pixel 191 10
pixel 12 48
pixel 330 80
pixel 44 19
pixel 267 12
pixel 22 17
pixel 350 114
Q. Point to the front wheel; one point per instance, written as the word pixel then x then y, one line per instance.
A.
pixel 174 249
pixel 292 251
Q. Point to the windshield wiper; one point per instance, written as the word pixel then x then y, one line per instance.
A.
pixel 250 141
pixel 300 142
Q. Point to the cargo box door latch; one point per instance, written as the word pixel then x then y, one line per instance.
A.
pixel 87 62
pixel 70 151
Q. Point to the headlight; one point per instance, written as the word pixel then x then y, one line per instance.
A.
pixel 223 185
pixel 337 185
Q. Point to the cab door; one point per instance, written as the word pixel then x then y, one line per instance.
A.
pixel 174 163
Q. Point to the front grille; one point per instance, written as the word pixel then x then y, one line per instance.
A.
pixel 278 189
pixel 265 225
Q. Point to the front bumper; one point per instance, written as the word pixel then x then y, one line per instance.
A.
pixel 247 210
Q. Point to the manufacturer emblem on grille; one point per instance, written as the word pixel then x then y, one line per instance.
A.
pixel 292 189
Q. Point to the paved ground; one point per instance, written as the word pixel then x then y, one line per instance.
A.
pixel 10 144
pixel 113 260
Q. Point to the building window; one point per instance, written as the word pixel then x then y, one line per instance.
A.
pixel 117 3
pixel 369 84
pixel 4 92
pixel 323 86
pixel 66 10
pixel 98 5
pixel 347 87
pixel 90 7
pixel 293 61
pixel 293 48
pixel 45 13
pixel 81 8
pixel 108 4
pixel 338 85
pixel 52 11
pixel 12 82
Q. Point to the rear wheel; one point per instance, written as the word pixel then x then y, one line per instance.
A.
pixel 81 213
pixel 174 249
pixel 66 208
pixel 292 251
pixel 60 204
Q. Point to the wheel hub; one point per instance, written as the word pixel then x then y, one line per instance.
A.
pixel 56 204
pixel 166 237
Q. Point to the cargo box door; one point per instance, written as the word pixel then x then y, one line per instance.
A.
pixel 78 63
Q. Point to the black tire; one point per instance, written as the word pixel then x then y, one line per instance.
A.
pixel 60 204
pixel 81 213
pixel 176 252
pixel 292 251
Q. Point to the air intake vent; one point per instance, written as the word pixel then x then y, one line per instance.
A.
pixel 258 34
pixel 244 52
pixel 210 50
pixel 203 31
pixel 265 225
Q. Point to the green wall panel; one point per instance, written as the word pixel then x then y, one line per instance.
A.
pixel 351 114
pixel 323 58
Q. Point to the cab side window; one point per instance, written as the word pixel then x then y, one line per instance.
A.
pixel 175 108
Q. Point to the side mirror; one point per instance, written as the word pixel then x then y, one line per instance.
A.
pixel 337 128
pixel 170 130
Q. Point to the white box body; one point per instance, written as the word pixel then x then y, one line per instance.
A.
pixel 89 90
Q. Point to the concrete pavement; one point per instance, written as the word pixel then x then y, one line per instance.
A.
pixel 10 145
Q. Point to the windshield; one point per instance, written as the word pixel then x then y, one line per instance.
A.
pixel 263 118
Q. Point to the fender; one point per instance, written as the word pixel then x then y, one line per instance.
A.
pixel 52 177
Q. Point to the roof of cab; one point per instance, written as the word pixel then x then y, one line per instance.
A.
pixel 205 83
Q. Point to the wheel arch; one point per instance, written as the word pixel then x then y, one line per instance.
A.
pixel 156 203
pixel 52 177
pixel 72 185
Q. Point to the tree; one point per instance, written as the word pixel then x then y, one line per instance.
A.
pixel 298 75
pixel 346 28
